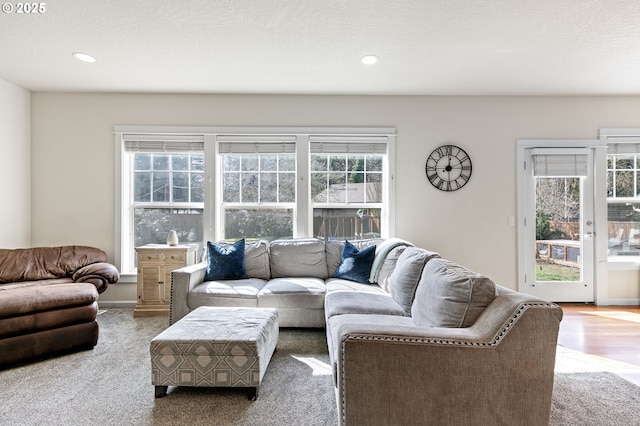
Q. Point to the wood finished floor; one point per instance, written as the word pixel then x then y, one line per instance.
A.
pixel 610 334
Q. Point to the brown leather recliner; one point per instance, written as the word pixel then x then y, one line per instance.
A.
pixel 48 300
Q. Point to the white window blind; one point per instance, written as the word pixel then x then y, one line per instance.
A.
pixel 256 144
pixel 163 143
pixel 547 163
pixel 348 144
pixel 623 145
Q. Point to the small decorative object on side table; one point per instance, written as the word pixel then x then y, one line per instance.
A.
pixel 172 238
pixel 155 264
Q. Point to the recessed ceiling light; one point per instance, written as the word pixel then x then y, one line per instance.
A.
pixel 83 57
pixel 369 59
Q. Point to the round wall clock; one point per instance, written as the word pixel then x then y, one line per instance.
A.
pixel 448 168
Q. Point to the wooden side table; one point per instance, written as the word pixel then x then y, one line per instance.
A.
pixel 155 264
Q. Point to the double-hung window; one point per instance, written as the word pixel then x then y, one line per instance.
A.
pixel 257 186
pixel 221 183
pixel 163 177
pixel 623 191
pixel 347 186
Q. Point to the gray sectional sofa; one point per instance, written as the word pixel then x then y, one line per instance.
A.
pixel 291 275
pixel 422 341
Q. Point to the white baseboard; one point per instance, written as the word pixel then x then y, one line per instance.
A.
pixel 623 302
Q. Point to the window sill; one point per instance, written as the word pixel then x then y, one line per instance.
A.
pixel 623 263
pixel 128 278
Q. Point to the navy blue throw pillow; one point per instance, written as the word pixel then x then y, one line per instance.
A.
pixel 225 263
pixel 355 265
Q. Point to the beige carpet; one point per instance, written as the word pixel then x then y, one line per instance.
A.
pixel 110 385
pixel 589 391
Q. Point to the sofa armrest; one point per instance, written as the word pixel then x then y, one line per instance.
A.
pixel 100 274
pixel 183 280
pixel 498 371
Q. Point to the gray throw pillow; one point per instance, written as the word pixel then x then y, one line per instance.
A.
pixel 298 258
pixel 406 275
pixel 256 259
pixel 450 295
pixel 387 267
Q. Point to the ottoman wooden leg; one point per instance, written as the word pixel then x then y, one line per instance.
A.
pixel 161 391
pixel 252 393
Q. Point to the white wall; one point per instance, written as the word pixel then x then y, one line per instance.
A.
pixel 15 171
pixel 73 182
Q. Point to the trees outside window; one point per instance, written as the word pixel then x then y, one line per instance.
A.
pixel 347 195
pixel 557 208
pixel 558 232
pixel 259 195
pixel 167 193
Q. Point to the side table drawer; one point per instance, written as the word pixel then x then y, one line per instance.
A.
pixel 174 257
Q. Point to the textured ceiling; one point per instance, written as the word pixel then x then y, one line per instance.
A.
pixel 448 47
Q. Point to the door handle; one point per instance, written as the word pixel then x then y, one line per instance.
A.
pixel 590 234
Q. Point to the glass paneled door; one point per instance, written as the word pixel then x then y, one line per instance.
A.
pixel 558 251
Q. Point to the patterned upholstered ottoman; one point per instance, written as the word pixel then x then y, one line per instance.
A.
pixel 228 347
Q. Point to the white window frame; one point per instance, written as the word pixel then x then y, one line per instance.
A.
pixel 600 206
pixel 354 145
pixel 628 139
pixel 149 142
pixel 303 219
pixel 238 144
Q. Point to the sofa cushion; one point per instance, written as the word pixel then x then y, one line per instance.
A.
pixel 338 284
pixel 39 298
pixel 450 295
pixel 356 264
pixel 334 251
pixel 387 267
pixel 225 263
pixel 300 257
pixel 38 263
pixel 37 283
pixel 383 251
pixel 256 259
pixel 406 275
pixel 226 293
pixel 351 302
pixel 299 292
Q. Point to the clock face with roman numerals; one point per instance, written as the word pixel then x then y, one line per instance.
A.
pixel 448 168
